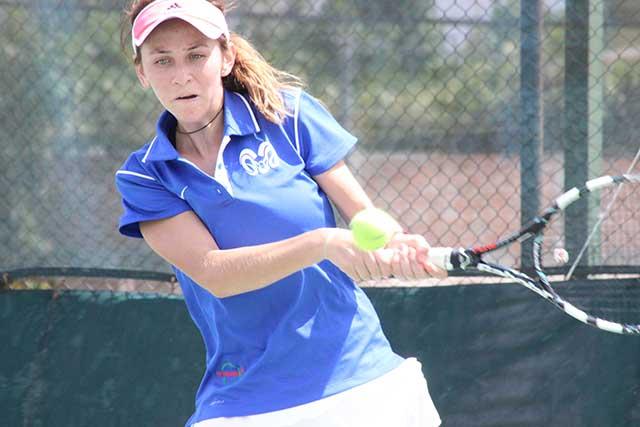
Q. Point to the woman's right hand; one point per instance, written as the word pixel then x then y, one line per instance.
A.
pixel 340 249
pixel 400 258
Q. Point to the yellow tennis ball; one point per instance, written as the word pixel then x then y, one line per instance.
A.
pixel 372 229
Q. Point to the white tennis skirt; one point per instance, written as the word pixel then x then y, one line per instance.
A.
pixel 399 398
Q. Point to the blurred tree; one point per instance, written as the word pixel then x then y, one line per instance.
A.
pixel 408 75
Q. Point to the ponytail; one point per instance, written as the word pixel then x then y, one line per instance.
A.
pixel 259 79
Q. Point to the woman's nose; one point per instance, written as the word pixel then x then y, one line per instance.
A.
pixel 182 76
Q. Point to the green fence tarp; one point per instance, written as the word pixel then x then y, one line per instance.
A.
pixel 494 355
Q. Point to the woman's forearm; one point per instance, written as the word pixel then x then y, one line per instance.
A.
pixel 234 271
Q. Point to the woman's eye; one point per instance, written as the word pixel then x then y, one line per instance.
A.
pixel 196 56
pixel 162 61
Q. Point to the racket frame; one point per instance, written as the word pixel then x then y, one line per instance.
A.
pixel 452 259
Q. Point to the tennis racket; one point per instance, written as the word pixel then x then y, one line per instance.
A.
pixel 610 307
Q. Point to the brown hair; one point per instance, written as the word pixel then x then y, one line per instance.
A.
pixel 251 73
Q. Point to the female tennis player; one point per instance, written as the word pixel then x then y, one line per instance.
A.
pixel 233 191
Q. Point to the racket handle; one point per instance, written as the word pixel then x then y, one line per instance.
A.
pixel 446 258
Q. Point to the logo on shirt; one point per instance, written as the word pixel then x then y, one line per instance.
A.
pixel 229 372
pixel 261 163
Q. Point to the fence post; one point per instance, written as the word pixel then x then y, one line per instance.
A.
pixel 582 141
pixel 531 129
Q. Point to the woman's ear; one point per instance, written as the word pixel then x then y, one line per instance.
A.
pixel 228 60
pixel 142 78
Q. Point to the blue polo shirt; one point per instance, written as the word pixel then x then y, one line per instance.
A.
pixel 307 336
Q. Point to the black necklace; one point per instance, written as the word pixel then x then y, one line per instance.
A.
pixel 198 130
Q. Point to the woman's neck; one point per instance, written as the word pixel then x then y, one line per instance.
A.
pixel 202 142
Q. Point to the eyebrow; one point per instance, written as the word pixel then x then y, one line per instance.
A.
pixel 196 45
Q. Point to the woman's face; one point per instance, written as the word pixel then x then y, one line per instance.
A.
pixel 185 69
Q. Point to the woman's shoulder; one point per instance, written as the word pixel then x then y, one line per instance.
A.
pixel 291 97
pixel 297 98
pixel 136 160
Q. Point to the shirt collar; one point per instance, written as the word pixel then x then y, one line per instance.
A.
pixel 239 119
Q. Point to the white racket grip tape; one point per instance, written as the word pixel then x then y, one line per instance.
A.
pixel 598 183
pixel 441 257
pixel 567 198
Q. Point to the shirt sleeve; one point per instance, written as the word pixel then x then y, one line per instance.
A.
pixel 323 141
pixel 144 199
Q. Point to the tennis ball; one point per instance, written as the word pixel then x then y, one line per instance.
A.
pixel 372 229
pixel 560 256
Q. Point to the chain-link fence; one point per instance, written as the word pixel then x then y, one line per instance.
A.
pixel 471 114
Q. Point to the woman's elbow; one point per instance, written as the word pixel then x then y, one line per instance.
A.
pixel 212 285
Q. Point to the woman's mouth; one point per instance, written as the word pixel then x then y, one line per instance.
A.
pixel 186 97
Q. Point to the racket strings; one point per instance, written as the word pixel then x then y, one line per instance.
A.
pixel 602 216
pixel 612 242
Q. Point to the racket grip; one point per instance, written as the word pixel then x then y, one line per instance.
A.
pixel 446 258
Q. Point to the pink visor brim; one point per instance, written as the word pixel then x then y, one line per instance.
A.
pixel 201 14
